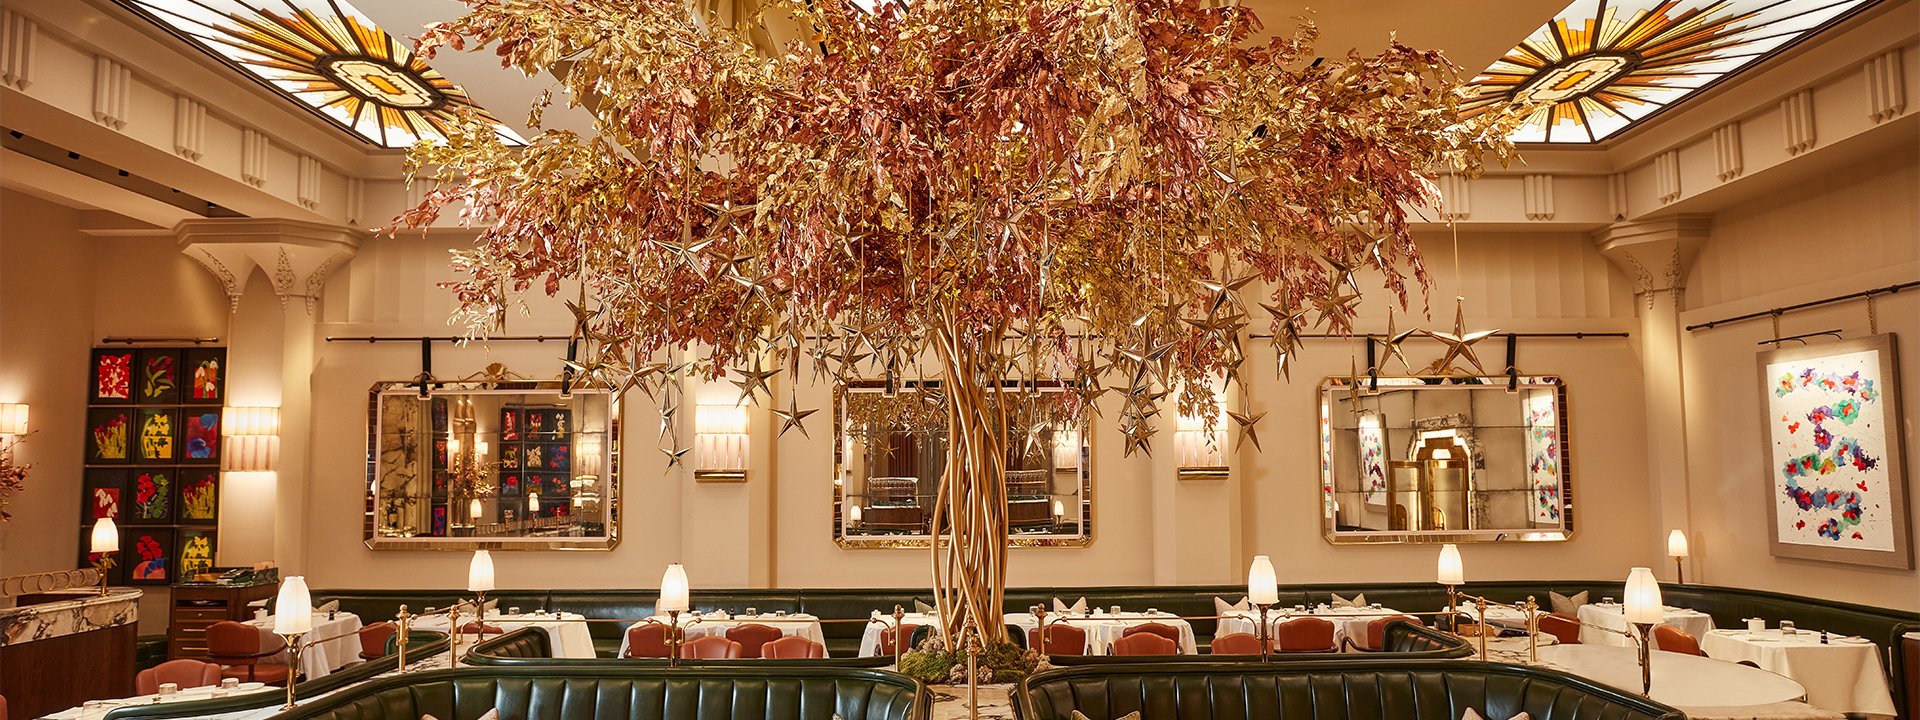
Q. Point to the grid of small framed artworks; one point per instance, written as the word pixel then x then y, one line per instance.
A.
pixel 153 458
pixel 536 456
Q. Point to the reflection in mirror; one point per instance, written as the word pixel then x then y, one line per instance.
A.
pixel 507 465
pixel 891 451
pixel 1445 460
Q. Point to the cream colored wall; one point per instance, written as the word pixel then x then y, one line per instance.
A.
pixel 1822 237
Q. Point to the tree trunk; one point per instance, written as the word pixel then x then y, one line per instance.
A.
pixel 970 558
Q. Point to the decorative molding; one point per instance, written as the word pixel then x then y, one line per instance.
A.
pixel 1666 176
pixel 253 157
pixel 18 34
pixel 189 128
pixel 1456 199
pixel 1886 86
pixel 356 199
pixel 219 270
pixel 112 85
pixel 308 188
pixel 297 256
pixel 1796 111
pixel 1617 196
pixel 1727 152
pixel 1539 197
pixel 1668 244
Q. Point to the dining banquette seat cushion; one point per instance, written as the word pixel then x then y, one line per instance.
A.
pixel 628 693
pixel 1325 690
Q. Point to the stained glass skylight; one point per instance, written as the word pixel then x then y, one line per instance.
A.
pixel 1602 65
pixel 329 57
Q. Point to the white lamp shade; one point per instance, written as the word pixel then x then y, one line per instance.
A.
pixel 533 502
pixel 106 537
pixel 1676 544
pixel 853 514
pixel 13 418
pixel 1263 588
pixel 1451 571
pixel 1643 597
pixel 674 590
pixel 480 572
pixel 293 610
pixel 474 509
pixel 245 421
pixel 1059 509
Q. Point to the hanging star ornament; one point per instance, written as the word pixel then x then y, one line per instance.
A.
pixel 1393 339
pixel 793 417
pixel 1459 342
pixel 676 456
pixel 1246 424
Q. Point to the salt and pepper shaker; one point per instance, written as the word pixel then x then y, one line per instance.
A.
pixel 1823 637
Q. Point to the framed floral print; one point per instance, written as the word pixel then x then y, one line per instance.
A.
pixel 109 434
pixel 156 377
pixel 204 370
pixel 105 487
pixel 198 490
pixel 112 376
pixel 151 496
pixel 157 435
pixel 196 551
pixel 200 438
pixel 148 554
pixel 1836 470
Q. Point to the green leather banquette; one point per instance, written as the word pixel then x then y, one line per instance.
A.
pixel 532 646
pixel 1325 690
pixel 626 692
pixel 1402 640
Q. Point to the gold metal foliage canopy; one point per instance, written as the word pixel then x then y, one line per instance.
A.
pixel 1102 192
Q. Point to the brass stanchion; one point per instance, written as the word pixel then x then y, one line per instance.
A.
pixel 674 638
pixel 1264 633
pixel 406 625
pixel 293 666
pixel 899 635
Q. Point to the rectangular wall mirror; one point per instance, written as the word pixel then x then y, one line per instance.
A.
pixel 890 452
pixel 1445 460
pixel 499 465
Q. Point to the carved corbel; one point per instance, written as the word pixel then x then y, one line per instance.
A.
pixel 297 256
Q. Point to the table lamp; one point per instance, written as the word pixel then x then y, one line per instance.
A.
pixel 106 542
pixel 1644 609
pixel 1451 573
pixel 292 620
pixel 479 581
pixel 673 601
pixel 1263 590
pixel 1677 549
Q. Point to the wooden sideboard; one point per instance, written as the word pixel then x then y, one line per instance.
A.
pixel 60 649
pixel 196 607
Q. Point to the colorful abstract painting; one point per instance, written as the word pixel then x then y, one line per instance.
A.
pixel 159 377
pixel 199 495
pixel 1326 462
pixel 107 432
pixel 203 435
pixel 112 375
pixel 148 555
pixel 207 379
pixel 1543 455
pixel 1373 460
pixel 196 552
pixel 1835 483
pixel 156 434
pixel 152 495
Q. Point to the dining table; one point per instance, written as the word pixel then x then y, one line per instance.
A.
pixel 1702 687
pixel 96 709
pixel 1348 622
pixel 1606 623
pixel 1841 673
pixel 880 623
pixel 1104 626
pixel 566 632
pixel 718 622
pixel 333 643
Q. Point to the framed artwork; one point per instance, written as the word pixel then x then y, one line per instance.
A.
pixel 439 521
pixel 198 495
pixel 1543 455
pixel 112 376
pixel 509 457
pixel 510 424
pixel 196 551
pixel 148 556
pixel 1373 459
pixel 109 432
pixel 205 372
pixel 557 457
pixel 510 484
pixel 105 488
pixel 1836 476
pixel 149 497
pixel 156 377
pixel 200 437
pixel 157 435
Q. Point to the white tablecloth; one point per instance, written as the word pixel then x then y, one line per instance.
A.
pixel 101 707
pixel 1347 622
pixel 1614 616
pixel 870 638
pixel 565 631
pixel 800 624
pixel 336 643
pixel 1104 628
pixel 1680 680
pixel 1843 675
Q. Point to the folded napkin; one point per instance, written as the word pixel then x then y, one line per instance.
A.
pixel 1223 608
pixel 922 608
pixel 1567 605
pixel 1079 607
pixel 329 606
pixel 1359 601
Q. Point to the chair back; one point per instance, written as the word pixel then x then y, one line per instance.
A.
pixel 1673 639
pixel 1162 629
pixel 1566 629
pixel 1061 638
pixel 887 639
pixel 1145 643
pixel 752 637
pixel 1306 634
pixel 373 639
pixel 1237 644
pixel 3 707
pixel 646 639
pixel 710 647
pixel 184 672
pixel 792 647
pixel 233 643
pixel 474 626
pixel 1377 630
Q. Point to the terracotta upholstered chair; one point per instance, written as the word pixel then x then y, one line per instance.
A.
pixel 752 636
pixel 1562 627
pixel 1162 629
pixel 1145 643
pixel 646 640
pixel 1237 644
pixel 183 672
pixel 887 637
pixel 711 647
pixel 1062 638
pixel 475 627
pixel 3 707
pixel 1376 639
pixel 1673 639
pixel 237 648
pixel 1307 634
pixel 792 647
pixel 373 639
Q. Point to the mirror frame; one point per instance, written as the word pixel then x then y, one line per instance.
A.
pixel 922 542
pixel 1329 526
pixel 374 541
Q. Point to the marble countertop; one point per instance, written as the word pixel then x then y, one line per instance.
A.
pixel 86 611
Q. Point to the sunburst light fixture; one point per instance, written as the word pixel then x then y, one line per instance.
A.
pixel 331 58
pixel 1602 65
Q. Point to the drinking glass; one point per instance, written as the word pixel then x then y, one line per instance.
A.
pixel 513 610
pixel 1787 628
pixel 169 688
pixel 229 683
pixel 753 611
pixel 1115 610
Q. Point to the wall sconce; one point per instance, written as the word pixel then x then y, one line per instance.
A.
pixel 853 516
pixel 1202 454
pixel 1677 549
pixel 13 420
pixel 720 443
pixel 1066 449
pixel 253 439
